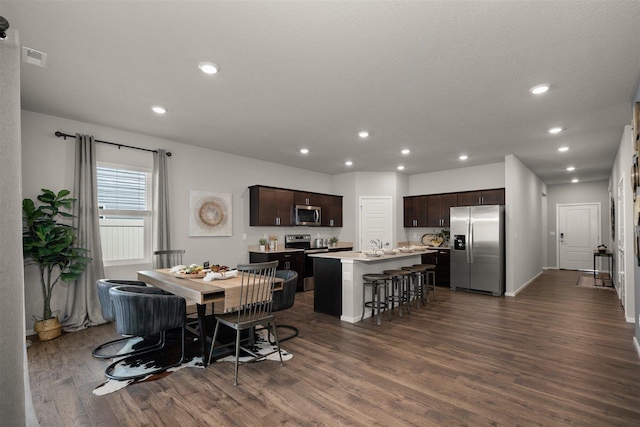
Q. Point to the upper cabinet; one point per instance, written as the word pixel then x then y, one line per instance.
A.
pixel 483 197
pixel 308 199
pixel 415 211
pixel 438 206
pixel 270 206
pixel 433 210
pixel 331 215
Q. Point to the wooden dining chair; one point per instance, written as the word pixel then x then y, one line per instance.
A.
pixel 256 298
pixel 168 258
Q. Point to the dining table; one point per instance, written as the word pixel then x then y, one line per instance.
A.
pixel 195 290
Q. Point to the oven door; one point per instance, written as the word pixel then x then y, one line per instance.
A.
pixel 309 280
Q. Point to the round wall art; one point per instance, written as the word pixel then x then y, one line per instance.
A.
pixel 209 214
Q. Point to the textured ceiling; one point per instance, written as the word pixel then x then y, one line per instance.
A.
pixel 441 78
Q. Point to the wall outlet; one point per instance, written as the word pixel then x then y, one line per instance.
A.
pixel 346 275
pixel 244 236
pixel 552 233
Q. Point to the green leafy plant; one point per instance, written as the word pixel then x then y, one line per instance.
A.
pixel 50 244
pixel 333 240
pixel 263 241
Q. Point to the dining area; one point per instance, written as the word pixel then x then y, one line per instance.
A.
pixel 217 313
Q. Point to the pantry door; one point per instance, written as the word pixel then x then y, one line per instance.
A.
pixel 578 235
pixel 376 221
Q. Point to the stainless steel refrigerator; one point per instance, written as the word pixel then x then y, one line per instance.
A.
pixel 477 253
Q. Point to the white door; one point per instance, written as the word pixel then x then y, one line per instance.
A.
pixel 376 221
pixel 578 235
pixel 619 218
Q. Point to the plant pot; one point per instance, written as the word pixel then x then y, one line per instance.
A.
pixel 263 248
pixel 48 329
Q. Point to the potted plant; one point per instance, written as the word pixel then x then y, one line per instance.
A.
pixel 263 245
pixel 333 241
pixel 51 245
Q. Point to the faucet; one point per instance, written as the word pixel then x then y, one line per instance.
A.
pixel 378 243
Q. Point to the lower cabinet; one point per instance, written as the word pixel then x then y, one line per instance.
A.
pixel 327 296
pixel 441 261
pixel 293 260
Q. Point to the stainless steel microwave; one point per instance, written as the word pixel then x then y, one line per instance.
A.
pixel 307 215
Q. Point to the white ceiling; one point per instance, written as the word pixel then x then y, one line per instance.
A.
pixel 441 78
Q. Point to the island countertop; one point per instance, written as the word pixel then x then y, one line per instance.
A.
pixel 351 256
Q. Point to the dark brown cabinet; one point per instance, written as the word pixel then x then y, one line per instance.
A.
pixel 438 206
pixel 291 260
pixel 307 199
pixel 416 211
pixel 331 210
pixel 441 260
pixel 483 197
pixel 270 206
pixel 433 210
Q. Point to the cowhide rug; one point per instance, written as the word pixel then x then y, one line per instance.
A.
pixel 171 353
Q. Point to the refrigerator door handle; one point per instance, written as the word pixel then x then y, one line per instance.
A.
pixel 470 243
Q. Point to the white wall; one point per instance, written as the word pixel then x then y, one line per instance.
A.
pixel 48 163
pixel 588 192
pixel 620 170
pixel 453 180
pixel 523 237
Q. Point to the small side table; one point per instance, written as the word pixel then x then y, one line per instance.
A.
pixel 606 254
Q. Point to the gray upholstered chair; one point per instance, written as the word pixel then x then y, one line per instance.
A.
pixel 254 308
pixel 284 299
pixel 168 258
pixel 145 311
pixel 103 286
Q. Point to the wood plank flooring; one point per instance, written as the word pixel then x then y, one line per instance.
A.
pixel 553 355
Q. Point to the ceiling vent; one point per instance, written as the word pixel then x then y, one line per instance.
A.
pixel 32 56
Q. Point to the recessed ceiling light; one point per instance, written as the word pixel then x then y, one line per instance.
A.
pixel 563 149
pixel 405 151
pixel 556 129
pixel 571 168
pixel 304 150
pixel 208 67
pixel 574 180
pixel 539 89
pixel 400 168
pixel 158 109
pixel 463 157
pixel 363 134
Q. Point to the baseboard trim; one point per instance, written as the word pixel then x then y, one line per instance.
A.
pixel 513 294
pixel 637 345
pixel 550 268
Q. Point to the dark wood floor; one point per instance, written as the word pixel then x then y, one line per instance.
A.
pixel 553 355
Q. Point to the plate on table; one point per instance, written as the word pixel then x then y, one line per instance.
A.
pixel 198 275
pixel 405 250
pixel 373 255
pixel 222 275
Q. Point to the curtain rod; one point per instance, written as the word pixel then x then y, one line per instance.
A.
pixel 65 135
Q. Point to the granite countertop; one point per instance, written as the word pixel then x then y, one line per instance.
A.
pixel 359 256
pixel 282 249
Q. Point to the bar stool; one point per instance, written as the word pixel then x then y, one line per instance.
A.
pixel 399 281
pixel 416 275
pixel 378 283
pixel 429 278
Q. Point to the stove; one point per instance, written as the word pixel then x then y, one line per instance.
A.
pixel 303 241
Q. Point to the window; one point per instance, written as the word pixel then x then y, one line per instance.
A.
pixel 124 198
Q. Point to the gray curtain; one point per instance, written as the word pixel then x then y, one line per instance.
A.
pixel 161 239
pixel 83 307
pixel 16 406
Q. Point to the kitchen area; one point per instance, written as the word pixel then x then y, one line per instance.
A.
pixel 333 269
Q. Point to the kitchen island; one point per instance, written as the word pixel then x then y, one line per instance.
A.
pixel 338 280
